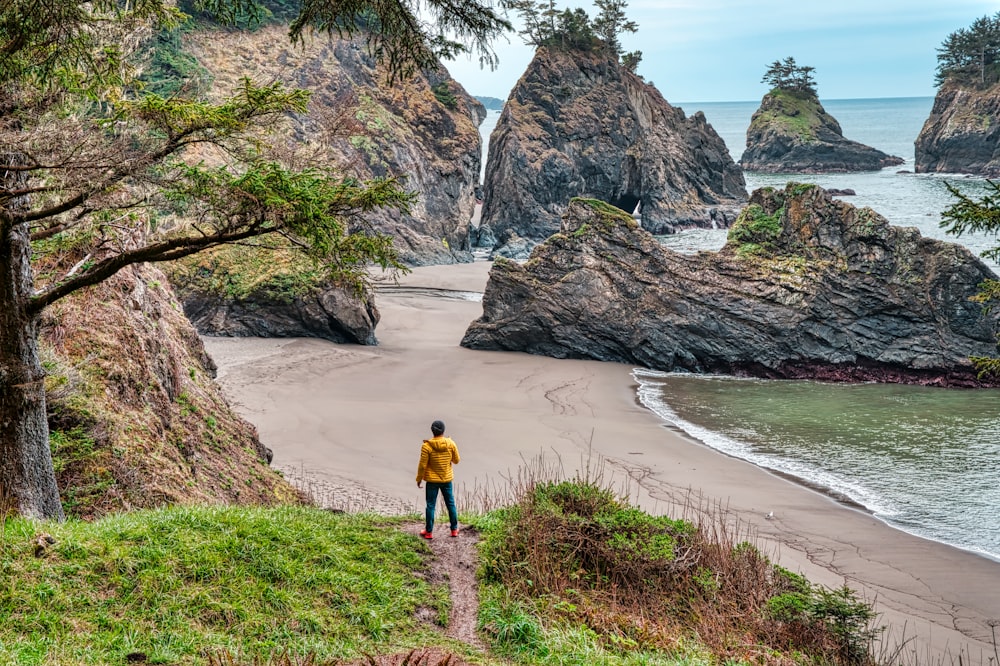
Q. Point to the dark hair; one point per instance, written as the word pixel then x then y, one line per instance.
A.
pixel 437 428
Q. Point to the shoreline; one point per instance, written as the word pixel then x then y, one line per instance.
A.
pixel 834 495
pixel 353 417
pixel 842 497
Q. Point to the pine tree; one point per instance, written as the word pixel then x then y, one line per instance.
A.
pixel 786 75
pixel 88 161
pixel 611 22
pixel 971 55
pixel 981 215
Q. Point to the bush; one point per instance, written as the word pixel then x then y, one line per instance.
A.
pixel 756 227
pixel 442 92
pixel 573 556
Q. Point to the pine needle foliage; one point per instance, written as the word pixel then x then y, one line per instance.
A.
pixel 971 56
pixel 398 34
pixel 982 216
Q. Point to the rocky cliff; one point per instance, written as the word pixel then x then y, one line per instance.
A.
pixel 962 133
pixel 806 287
pixel 577 124
pixel 424 128
pixel 136 418
pixel 791 132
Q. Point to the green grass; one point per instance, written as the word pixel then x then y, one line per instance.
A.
pixel 519 633
pixel 184 583
pixel 755 232
pixel 239 273
pixel 797 112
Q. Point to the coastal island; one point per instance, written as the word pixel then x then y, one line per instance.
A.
pixel 791 132
pixel 962 132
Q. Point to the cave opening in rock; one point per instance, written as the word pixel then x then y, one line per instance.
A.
pixel 627 202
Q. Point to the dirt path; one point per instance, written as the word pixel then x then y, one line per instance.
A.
pixel 454 562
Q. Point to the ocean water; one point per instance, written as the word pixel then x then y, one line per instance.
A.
pixel 924 460
pixel 891 125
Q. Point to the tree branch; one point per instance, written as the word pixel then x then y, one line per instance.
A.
pixel 163 251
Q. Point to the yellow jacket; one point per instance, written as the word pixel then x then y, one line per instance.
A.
pixel 436 458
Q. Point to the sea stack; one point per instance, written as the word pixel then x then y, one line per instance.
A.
pixel 806 287
pixel 578 123
pixel 791 132
pixel 962 133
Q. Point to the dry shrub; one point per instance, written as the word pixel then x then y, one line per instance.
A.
pixel 651 581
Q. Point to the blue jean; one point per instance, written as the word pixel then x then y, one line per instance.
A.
pixel 431 493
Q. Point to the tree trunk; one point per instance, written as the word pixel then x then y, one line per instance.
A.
pixel 27 479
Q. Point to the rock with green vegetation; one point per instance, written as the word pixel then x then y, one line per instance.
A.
pixel 423 129
pixel 579 124
pixel 806 287
pixel 962 133
pixel 135 417
pixel 239 291
pixel 791 132
pixel 491 103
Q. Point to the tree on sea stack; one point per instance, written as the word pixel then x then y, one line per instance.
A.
pixel 97 173
pixel 971 56
pixel 786 75
pixel 569 29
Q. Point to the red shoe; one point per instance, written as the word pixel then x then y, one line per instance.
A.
pixel 454 533
pixel 425 534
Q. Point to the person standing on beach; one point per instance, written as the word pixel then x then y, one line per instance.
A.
pixel 437 455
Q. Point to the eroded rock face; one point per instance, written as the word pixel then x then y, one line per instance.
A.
pixel 962 133
pixel 366 128
pixel 422 130
pixel 137 420
pixel 577 124
pixel 333 314
pixel 807 287
pixel 791 132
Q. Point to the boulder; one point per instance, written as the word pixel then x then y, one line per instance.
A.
pixel 239 292
pixel 962 133
pixel 578 124
pixel 791 132
pixel 516 248
pixel 806 287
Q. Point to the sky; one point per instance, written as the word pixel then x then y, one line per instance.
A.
pixel 718 50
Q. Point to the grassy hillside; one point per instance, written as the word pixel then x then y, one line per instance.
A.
pixel 573 575
pixel 178 585
pixel 569 575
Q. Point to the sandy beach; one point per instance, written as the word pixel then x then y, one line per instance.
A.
pixel 348 421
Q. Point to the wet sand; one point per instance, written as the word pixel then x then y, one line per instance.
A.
pixel 347 421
